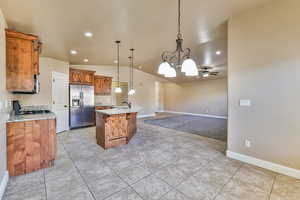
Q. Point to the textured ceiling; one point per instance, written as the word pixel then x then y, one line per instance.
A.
pixel 149 26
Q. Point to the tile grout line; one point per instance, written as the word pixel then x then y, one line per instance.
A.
pixel 44 173
pixel 114 171
pixel 79 172
pixel 272 187
pixel 219 193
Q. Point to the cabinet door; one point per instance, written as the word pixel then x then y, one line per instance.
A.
pixel 75 76
pixel 88 78
pixel 103 85
pixel 19 74
pixel 108 85
pixel 117 126
pixel 99 84
pixel 35 57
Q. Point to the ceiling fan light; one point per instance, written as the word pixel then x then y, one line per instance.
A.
pixel 118 90
pixel 163 68
pixel 205 75
pixel 131 92
pixel 171 73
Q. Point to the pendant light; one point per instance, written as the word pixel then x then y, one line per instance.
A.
pixel 180 58
pixel 131 91
pixel 118 89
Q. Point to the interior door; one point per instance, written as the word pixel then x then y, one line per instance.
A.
pixel 60 90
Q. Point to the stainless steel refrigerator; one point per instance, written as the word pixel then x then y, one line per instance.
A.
pixel 82 108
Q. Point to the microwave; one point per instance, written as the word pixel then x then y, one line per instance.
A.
pixel 36 88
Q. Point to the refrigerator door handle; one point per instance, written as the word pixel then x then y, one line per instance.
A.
pixel 81 99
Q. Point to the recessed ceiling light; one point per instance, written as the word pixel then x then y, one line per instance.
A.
pixel 74 52
pixel 115 61
pixel 88 34
pixel 85 60
pixel 218 52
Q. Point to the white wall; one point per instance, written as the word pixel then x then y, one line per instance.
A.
pixel 264 66
pixel 4 100
pixel 47 66
pixel 144 84
pixel 199 97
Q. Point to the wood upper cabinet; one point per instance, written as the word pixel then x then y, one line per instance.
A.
pixel 88 77
pixel 103 85
pixel 83 77
pixel 22 61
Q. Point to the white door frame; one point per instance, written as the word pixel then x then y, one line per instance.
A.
pixel 54 73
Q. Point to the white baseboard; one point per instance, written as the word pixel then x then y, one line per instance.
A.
pixel 3 184
pixel 196 114
pixel 144 116
pixel 265 164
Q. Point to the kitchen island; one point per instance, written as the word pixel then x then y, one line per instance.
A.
pixel 115 127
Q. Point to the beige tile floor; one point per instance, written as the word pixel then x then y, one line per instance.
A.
pixel 158 164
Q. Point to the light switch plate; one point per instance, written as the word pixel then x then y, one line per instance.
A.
pixel 245 102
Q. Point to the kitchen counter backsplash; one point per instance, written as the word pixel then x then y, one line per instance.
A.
pixel 25 108
pixel 104 100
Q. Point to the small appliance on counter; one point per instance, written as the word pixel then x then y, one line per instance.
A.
pixel 16 107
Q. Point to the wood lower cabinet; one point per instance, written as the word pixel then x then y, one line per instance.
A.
pixel 22 61
pixel 103 85
pixel 114 130
pixel 131 118
pixel 83 77
pixel 31 145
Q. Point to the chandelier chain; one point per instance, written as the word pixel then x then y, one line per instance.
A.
pixel 179 16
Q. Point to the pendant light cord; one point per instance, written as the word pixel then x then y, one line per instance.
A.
pixel 118 57
pixel 131 68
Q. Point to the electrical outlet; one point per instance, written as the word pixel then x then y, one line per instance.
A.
pixel 247 143
pixel 207 111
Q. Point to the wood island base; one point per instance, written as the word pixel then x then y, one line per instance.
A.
pixel 115 130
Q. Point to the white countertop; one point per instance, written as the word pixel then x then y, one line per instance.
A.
pixel 22 118
pixel 119 110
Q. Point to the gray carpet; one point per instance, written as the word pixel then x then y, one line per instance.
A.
pixel 204 126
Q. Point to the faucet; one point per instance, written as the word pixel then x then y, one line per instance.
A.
pixel 127 103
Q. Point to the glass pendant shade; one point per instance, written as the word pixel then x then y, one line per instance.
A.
pixel 131 92
pixel 163 68
pixel 171 73
pixel 118 90
pixel 189 67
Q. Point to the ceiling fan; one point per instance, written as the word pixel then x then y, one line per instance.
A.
pixel 206 71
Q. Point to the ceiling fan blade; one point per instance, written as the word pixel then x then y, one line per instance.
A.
pixel 214 73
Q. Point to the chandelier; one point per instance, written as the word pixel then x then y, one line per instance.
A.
pixel 178 59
